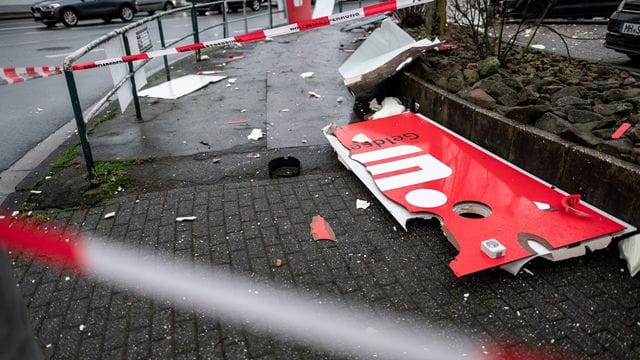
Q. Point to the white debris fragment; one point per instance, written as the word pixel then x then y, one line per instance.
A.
pixel 228 85
pixel 66 278
pixel 48 346
pixel 404 63
pixel 185 218
pixel 243 110
pixel 110 215
pixel 82 327
pixel 466 296
pixel 284 110
pixel 232 80
pixel 542 206
pixel 47 177
pixel 527 271
pixel 374 105
pixel 15 213
pixel 340 99
pixel 204 57
pixel 306 75
pixel 362 204
pixel 390 106
pixel 538 46
pixel 39 109
pixel 35 192
pixel 314 94
pixel 256 134
pixel 361 138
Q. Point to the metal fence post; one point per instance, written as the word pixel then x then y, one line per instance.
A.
pixel 166 62
pixel 132 79
pixel 270 14
pixel 225 24
pixel 82 128
pixel 244 14
pixel 194 25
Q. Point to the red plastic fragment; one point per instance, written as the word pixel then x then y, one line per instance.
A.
pixel 569 202
pixel 321 230
pixel 621 130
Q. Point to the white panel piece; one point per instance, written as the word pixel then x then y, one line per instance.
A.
pixel 181 86
pixel 115 48
pixel 323 8
pixel 387 45
pixel 397 211
pixel 630 251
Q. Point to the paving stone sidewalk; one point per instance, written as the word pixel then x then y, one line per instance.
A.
pixel 586 307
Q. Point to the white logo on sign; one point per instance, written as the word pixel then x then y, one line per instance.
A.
pixel 430 169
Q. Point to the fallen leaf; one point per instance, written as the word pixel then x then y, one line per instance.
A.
pixel 321 230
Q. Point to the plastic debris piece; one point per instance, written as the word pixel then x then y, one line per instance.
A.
pixel 314 94
pixel 215 160
pixel 321 230
pixel 390 106
pixel 630 251
pixel 232 80
pixel 569 202
pixel 253 155
pixel 39 109
pixel 110 215
pixel 82 327
pixel 209 72
pixel 256 134
pixel 306 75
pixel 234 58
pixel 542 206
pixel 621 130
pixel 493 248
pixel 285 110
pixel 278 263
pixel 361 138
pixel 362 204
pixel 185 218
pixel 179 87
pixel 527 271
pixel 243 110
pixel 36 192
pixel 340 99
pixel 538 46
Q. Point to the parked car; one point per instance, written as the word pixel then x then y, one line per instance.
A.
pixel 623 30
pixel 566 9
pixel 151 6
pixel 69 12
pixel 231 5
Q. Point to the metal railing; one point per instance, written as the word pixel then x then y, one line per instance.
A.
pixel 82 119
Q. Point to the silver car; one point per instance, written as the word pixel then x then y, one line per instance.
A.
pixel 151 6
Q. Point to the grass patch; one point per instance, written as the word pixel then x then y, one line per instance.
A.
pixel 64 159
pixel 112 175
pixel 39 219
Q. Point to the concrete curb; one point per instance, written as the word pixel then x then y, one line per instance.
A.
pixel 602 180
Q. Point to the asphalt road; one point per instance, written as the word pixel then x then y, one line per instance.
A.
pixel 33 110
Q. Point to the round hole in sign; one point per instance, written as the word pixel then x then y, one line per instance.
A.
pixel 426 198
pixel 472 209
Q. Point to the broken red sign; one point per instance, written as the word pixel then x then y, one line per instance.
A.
pixel 428 169
pixel 321 230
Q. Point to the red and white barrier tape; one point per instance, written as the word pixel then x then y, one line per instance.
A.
pixel 324 325
pixel 18 75
pixel 250 37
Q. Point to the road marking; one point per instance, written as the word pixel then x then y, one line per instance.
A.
pixel 66 54
pixel 20 28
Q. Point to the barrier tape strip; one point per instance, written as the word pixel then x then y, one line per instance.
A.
pixel 325 325
pixel 18 75
pixel 12 75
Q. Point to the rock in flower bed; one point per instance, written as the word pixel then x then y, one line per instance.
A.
pixel 579 101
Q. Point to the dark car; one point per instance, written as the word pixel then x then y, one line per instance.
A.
pixel 623 30
pixel 69 12
pixel 231 5
pixel 566 9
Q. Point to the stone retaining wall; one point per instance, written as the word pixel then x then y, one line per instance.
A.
pixel 604 181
